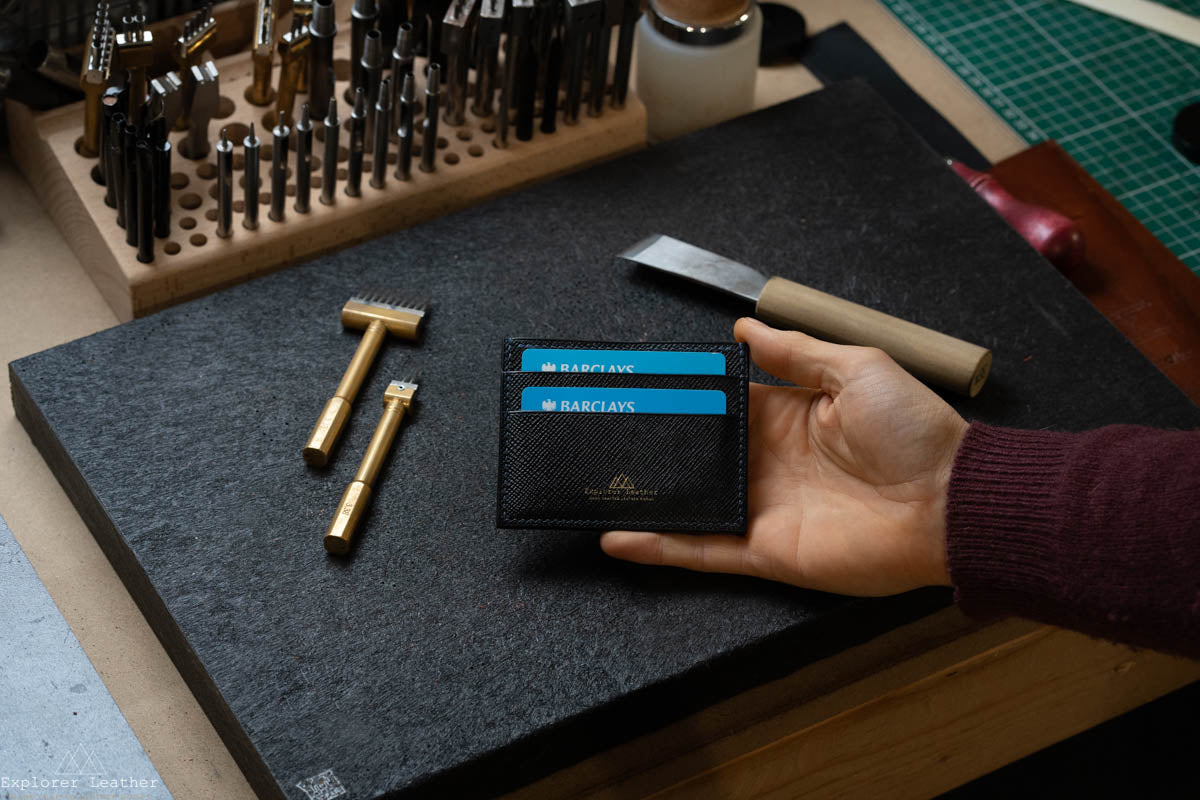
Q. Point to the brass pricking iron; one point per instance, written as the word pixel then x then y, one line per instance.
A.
pixel 378 312
pixel 396 401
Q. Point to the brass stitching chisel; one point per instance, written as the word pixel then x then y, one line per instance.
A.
pixel 396 401
pixel 378 312
pixel 940 359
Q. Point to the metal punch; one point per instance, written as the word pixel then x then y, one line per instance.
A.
pixel 262 54
pixel 204 107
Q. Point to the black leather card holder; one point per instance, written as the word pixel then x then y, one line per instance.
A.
pixel 636 471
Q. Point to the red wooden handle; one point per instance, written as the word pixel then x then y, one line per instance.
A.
pixel 1049 232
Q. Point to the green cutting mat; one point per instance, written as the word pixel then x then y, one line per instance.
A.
pixel 1105 89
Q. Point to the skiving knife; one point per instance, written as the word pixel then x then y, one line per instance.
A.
pixel 935 357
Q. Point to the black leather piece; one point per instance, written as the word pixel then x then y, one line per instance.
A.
pixel 664 472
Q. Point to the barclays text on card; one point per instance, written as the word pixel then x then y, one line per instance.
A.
pixel 600 400
pixel 636 362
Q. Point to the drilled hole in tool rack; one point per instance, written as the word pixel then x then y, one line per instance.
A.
pixel 475 150
pixel 96 174
pixel 211 215
pixel 236 132
pixel 391 158
pixel 315 182
pixel 487 126
pixel 190 200
pixel 464 134
pixel 198 239
pixel 187 223
pixel 416 151
pixel 266 152
pixel 341 69
pixel 443 143
pixel 171 248
pixel 341 173
pixel 225 108
pixel 343 154
pixel 291 190
pixel 239 206
pixel 451 158
pixel 207 170
pixel 265 199
pixel 239 161
pixel 212 191
pixel 316 164
pixel 242 182
pixel 178 180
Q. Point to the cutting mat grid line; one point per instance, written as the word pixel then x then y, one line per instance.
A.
pixel 1107 90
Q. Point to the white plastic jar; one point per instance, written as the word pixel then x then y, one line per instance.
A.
pixel 696 63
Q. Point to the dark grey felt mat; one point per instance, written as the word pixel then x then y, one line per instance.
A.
pixel 445 655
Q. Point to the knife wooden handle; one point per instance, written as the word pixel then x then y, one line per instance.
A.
pixel 940 359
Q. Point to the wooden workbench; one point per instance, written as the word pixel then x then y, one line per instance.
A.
pixel 922 709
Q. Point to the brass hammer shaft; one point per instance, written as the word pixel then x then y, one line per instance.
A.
pixel 337 410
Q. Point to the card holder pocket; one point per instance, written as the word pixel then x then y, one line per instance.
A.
pixel 666 472
pixel 735 354
pixel 514 383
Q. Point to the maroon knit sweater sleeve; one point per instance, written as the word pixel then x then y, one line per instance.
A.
pixel 1096 531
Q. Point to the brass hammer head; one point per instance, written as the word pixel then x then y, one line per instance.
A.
pixel 401 316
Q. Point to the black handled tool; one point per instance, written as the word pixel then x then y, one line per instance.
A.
pixel 304 139
pixel 224 186
pixel 321 30
pixel 250 151
pixel 430 126
pixel 358 124
pixel 383 112
pixel 333 127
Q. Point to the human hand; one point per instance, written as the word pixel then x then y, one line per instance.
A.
pixel 847 479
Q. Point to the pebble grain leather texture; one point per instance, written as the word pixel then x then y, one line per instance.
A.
pixel 600 471
pixel 445 657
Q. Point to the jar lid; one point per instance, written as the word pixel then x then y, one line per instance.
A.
pixel 700 22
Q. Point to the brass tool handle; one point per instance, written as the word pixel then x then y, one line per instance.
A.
pixel 333 418
pixel 93 92
pixel 358 493
pixel 940 359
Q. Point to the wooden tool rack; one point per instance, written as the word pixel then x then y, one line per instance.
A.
pixel 193 260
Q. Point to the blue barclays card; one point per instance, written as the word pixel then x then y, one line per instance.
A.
pixel 634 362
pixel 608 400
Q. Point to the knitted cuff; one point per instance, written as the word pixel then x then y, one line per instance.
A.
pixel 1003 523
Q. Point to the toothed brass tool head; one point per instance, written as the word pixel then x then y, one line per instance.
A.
pixel 396 401
pixel 401 315
pixel 378 312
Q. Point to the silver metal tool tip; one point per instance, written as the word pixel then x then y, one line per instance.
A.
pixel 664 253
pixel 384 102
pixel 304 118
pixel 360 102
pixel 433 79
pixel 636 250
pixel 331 118
pixel 408 88
pixel 390 298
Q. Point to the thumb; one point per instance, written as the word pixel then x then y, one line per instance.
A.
pixel 793 356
